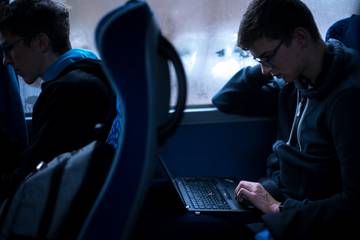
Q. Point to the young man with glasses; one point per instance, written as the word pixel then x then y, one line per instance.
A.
pixel 312 187
pixel 34 39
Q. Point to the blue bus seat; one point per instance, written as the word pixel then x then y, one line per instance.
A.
pixel 347 31
pixel 12 118
pixel 135 57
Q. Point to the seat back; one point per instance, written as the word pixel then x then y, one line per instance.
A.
pixel 135 57
pixel 347 31
pixel 12 118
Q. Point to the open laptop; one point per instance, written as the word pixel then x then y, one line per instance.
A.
pixel 208 194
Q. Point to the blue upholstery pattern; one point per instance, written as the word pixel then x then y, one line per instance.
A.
pixel 115 131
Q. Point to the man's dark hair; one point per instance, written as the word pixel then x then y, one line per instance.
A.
pixel 275 19
pixel 28 18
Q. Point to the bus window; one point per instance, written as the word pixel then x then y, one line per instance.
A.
pixel 203 31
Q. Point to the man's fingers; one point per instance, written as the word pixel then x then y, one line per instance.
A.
pixel 249 186
pixel 242 194
pixel 246 184
pixel 245 194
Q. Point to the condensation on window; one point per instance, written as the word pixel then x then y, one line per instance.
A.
pixel 204 33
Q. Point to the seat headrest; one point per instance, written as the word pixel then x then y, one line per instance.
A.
pixel 347 31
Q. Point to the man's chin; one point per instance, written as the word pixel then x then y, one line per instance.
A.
pixel 29 80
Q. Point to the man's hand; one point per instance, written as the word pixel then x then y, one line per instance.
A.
pixel 257 195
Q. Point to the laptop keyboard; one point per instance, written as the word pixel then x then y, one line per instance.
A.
pixel 204 194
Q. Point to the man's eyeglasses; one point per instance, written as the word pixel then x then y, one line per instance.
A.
pixel 6 48
pixel 267 59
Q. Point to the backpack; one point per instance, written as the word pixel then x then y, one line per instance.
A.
pixel 94 67
pixel 56 197
pixel 53 201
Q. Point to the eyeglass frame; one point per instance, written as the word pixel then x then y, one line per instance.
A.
pixel 268 59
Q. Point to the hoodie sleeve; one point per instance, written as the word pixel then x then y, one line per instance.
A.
pixel 250 93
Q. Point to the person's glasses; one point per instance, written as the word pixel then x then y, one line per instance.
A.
pixel 267 58
pixel 6 48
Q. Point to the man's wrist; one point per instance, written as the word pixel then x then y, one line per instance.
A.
pixel 277 207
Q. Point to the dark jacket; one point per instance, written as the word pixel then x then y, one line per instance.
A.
pixel 66 112
pixel 64 117
pixel 317 176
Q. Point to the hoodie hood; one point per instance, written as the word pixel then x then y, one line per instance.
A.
pixel 65 60
pixel 337 54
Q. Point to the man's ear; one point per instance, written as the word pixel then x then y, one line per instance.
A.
pixel 44 42
pixel 302 37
